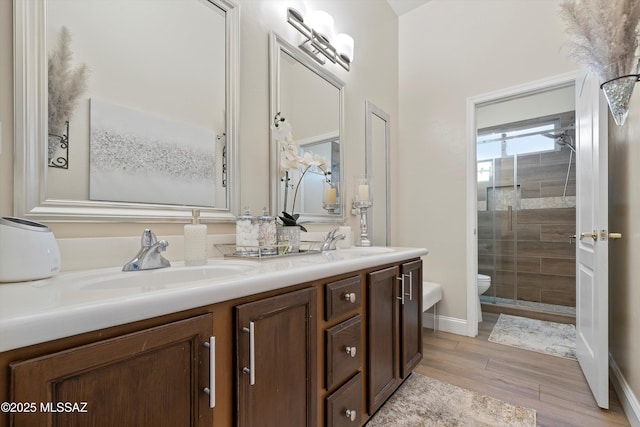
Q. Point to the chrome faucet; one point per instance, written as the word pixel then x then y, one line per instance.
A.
pixel 149 256
pixel 330 240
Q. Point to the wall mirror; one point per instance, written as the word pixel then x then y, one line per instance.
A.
pixel 311 100
pixel 377 134
pixel 155 132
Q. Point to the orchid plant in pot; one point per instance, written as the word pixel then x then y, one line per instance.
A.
pixel 294 165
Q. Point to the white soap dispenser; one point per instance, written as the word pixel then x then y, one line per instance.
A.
pixel 195 241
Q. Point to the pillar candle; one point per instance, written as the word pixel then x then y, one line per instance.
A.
pixel 330 196
pixel 363 193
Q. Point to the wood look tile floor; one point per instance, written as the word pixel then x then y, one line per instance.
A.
pixel 553 386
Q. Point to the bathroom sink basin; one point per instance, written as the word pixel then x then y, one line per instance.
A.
pixel 372 250
pixel 171 276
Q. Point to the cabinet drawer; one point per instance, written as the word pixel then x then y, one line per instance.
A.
pixel 342 297
pixel 344 406
pixel 344 350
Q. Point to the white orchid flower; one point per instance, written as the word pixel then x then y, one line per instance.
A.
pixel 289 157
pixel 313 159
pixel 282 132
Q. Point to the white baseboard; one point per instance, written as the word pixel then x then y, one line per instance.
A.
pixel 626 396
pixel 445 324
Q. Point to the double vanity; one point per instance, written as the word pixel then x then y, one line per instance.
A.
pixel 317 340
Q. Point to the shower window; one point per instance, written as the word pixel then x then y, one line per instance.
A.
pixel 520 138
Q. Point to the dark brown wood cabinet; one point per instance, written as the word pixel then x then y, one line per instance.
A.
pixel 322 353
pixel 411 318
pixel 152 377
pixel 277 360
pixel 394 325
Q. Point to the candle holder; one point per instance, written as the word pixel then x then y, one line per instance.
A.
pixel 363 202
pixel 330 198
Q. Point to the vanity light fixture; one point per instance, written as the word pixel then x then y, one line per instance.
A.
pixel 320 40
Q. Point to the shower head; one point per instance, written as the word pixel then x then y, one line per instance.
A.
pixel 566 141
pixel 563 139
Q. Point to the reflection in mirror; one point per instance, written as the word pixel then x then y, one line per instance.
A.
pixel 150 137
pixel 377 133
pixel 310 99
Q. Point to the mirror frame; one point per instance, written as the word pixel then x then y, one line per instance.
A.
pixel 30 132
pixel 371 111
pixel 276 45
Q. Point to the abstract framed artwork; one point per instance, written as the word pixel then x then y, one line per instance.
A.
pixel 142 157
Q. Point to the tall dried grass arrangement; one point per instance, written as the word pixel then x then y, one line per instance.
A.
pixel 604 34
pixel 66 85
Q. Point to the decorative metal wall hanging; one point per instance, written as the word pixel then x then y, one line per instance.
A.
pixel 58 149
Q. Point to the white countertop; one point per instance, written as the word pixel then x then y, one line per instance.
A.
pixel 72 303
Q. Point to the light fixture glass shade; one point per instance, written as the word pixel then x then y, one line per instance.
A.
pixel 618 93
pixel 322 23
pixel 344 46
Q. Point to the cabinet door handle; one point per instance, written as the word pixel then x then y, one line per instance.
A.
pixel 350 297
pixel 251 370
pixel 211 390
pixel 410 285
pixel 351 351
pixel 401 279
pixel 351 414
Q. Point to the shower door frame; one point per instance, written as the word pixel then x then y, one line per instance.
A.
pixel 472 187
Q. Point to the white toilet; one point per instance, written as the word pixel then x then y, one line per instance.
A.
pixel 484 282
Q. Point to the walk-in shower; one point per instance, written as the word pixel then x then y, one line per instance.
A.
pixel 526 212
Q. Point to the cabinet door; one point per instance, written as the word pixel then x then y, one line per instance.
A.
pixel 382 336
pixel 277 361
pixel 411 318
pixel 150 378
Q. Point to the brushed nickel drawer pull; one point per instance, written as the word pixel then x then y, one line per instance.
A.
pixel 351 414
pixel 401 279
pixel 350 297
pixel 251 370
pixel 351 351
pixel 211 390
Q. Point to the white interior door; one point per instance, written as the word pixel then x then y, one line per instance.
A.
pixel 592 295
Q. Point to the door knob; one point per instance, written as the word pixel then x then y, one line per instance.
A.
pixel 592 234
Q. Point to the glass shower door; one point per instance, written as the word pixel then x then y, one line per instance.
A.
pixel 498 204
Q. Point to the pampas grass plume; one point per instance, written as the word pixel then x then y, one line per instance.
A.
pixel 66 85
pixel 604 34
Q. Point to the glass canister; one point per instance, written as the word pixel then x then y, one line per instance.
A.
pixel 288 239
pixel 267 234
pixel 247 232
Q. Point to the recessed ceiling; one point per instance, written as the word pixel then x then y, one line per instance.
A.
pixel 403 6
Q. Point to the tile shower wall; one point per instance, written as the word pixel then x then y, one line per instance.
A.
pixel 534 250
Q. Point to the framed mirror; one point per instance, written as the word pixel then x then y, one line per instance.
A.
pixel 377 134
pixel 154 133
pixel 310 99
